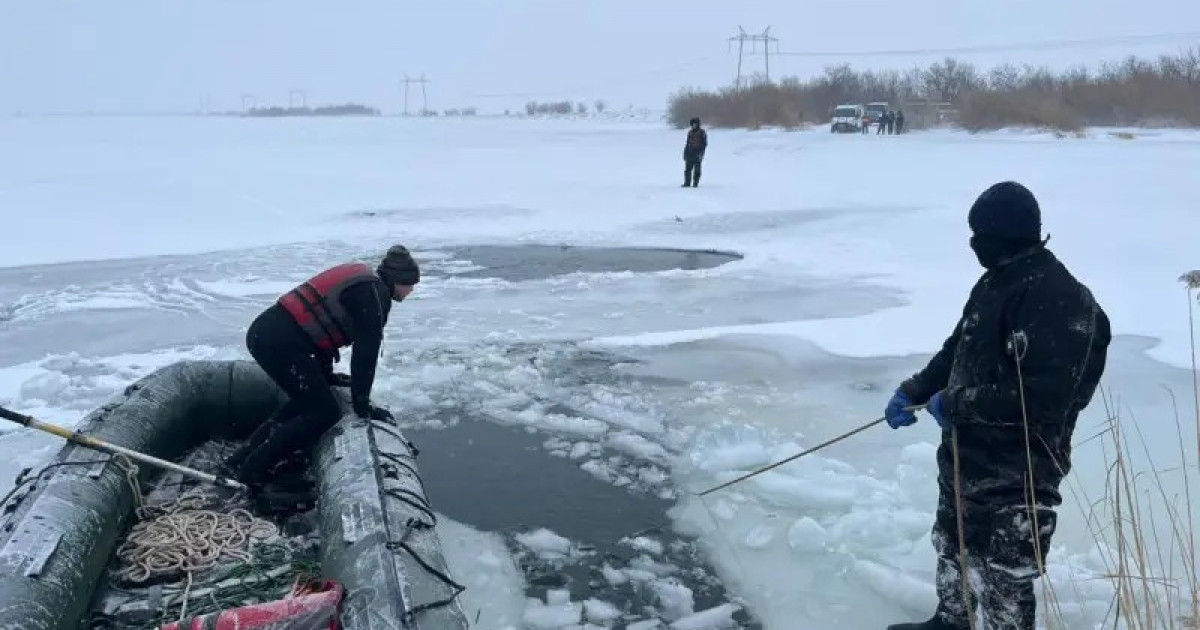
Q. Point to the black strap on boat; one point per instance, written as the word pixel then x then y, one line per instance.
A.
pixel 412 448
pixel 421 504
pixel 411 525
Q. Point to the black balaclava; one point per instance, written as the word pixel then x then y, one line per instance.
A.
pixel 1005 221
pixel 695 122
pixel 398 267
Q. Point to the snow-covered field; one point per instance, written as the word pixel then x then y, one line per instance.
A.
pixel 173 232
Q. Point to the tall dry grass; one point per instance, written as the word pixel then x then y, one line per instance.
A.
pixel 1132 92
pixel 1144 534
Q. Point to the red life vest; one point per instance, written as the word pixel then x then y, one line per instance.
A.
pixel 316 304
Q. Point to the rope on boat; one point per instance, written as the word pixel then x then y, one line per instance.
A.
pixel 186 535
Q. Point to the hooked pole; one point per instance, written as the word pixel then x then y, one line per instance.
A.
pixel 806 452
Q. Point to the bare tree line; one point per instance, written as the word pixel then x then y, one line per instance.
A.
pixel 1133 92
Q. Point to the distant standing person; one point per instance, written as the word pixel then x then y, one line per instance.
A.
pixel 693 153
pixel 899 121
pixel 866 123
pixel 881 124
pixel 890 117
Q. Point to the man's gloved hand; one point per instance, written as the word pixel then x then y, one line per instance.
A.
pixel 337 379
pixel 895 413
pixel 366 410
pixel 936 408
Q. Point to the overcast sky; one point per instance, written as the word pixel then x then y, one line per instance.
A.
pixel 178 55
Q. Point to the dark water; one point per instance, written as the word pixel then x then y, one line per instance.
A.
pixel 501 479
pixel 536 262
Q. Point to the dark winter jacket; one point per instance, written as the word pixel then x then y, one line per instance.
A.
pixel 1032 309
pixel 369 304
pixel 697 144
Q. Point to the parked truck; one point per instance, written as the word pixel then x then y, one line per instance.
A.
pixel 847 119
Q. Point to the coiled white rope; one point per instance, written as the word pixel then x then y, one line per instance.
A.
pixel 184 536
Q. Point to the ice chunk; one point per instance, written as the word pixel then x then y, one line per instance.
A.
pixel 599 611
pixel 586 427
pixel 729 448
pixel 759 537
pixel 557 447
pixel 637 446
pixel 482 563
pixel 897 586
pixel 614 577
pixel 921 454
pixel 649 565
pixel 807 536
pixel 642 543
pixel 646 624
pixel 879 528
pixel 545 543
pixel 639 576
pixel 599 469
pixel 674 598
pixel 652 475
pixel 580 450
pixel 558 596
pixel 829 493
pixel 44 387
pixel 715 618
pixel 541 616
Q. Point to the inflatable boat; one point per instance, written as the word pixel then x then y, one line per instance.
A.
pixel 347 540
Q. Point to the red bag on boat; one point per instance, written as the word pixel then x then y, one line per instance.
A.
pixel 314 606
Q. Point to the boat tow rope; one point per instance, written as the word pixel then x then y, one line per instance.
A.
pixel 390 469
pixel 188 535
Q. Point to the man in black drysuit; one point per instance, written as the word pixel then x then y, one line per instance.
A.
pixel 296 341
pixel 693 153
pixel 1028 326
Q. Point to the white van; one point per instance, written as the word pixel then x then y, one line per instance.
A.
pixel 847 118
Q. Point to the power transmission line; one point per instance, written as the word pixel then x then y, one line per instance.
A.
pixel 424 96
pixel 765 37
pixel 1044 45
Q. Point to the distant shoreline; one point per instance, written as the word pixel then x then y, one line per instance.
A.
pixel 349 109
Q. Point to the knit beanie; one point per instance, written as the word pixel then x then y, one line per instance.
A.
pixel 398 267
pixel 1006 210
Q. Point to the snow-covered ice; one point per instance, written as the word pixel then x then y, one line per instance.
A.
pixel 481 563
pixel 173 232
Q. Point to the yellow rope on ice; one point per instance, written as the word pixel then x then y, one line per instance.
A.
pixel 183 536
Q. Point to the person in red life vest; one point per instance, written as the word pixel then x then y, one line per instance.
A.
pixel 693 153
pixel 296 341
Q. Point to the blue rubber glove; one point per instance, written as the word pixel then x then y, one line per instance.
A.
pixel 936 408
pixel 894 412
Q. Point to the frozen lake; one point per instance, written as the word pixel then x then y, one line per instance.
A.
pixel 791 293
